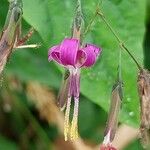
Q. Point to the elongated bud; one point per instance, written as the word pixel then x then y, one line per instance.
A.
pixel 78 22
pixel 63 93
pixel 144 93
pixel 15 6
pixel 112 122
pixel 8 36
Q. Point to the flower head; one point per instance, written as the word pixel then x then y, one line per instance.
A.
pixel 70 55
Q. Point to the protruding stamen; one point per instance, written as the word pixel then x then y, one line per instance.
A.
pixel 74 123
pixel 66 122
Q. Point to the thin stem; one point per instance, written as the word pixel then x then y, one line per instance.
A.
pixel 109 26
pixel 28 46
pixel 91 21
pixel 118 39
pixel 89 25
pixel 119 67
pixel 125 48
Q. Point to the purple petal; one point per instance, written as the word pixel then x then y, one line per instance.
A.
pixel 69 49
pixel 91 51
pixel 81 58
pixel 75 83
pixel 54 53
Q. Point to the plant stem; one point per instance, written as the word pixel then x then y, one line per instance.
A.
pixel 120 67
pixel 89 25
pixel 91 21
pixel 118 39
pixel 127 50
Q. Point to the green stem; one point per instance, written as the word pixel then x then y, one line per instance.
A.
pixel 127 50
pixel 89 25
pixel 118 39
pixel 91 21
pixel 119 67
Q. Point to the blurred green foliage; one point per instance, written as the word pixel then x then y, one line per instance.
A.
pixel 52 21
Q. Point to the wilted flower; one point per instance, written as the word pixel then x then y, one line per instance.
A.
pixel 70 55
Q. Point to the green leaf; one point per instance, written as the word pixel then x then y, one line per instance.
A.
pixel 36 13
pixel 93 127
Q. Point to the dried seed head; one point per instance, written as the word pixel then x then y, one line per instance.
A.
pixel 144 93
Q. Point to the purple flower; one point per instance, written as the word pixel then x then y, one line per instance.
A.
pixel 70 55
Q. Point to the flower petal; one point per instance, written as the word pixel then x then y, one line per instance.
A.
pixel 68 51
pixel 91 51
pixel 81 58
pixel 75 83
pixel 54 53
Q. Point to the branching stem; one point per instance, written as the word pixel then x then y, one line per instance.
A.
pixel 91 21
pixel 122 45
pixel 89 25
